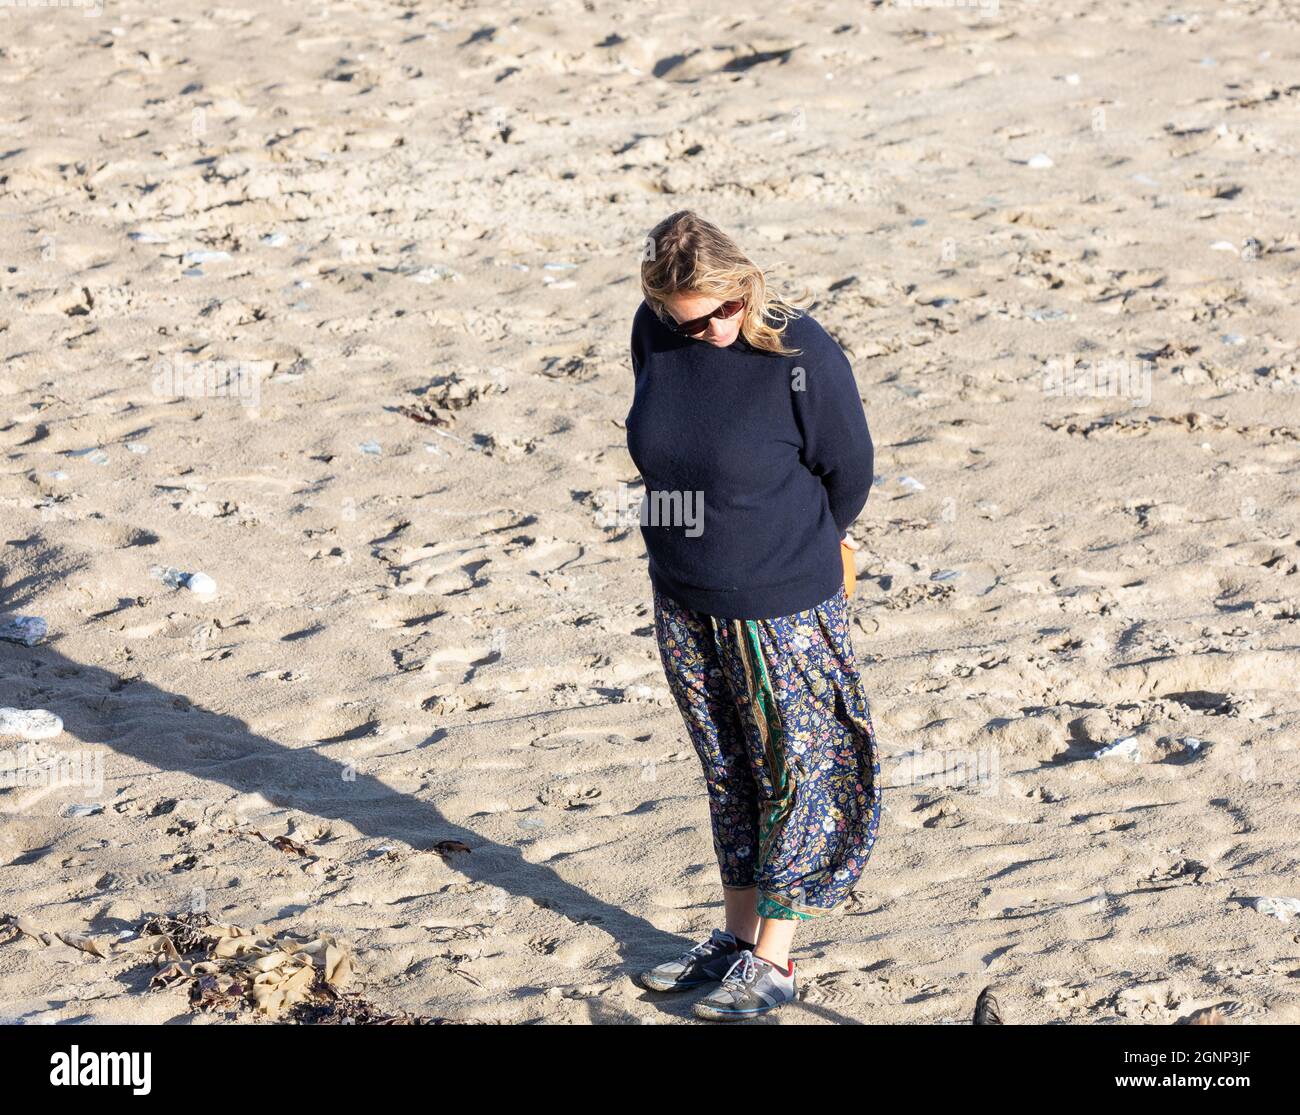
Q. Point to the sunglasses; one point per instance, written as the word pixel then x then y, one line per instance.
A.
pixel 698 325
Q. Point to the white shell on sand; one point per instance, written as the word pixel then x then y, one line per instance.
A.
pixel 198 583
pixel 1126 748
pixel 28 630
pixel 1280 908
pixel 201 584
pixel 34 723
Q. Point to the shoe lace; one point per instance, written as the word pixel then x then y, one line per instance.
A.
pixel 716 940
pixel 745 962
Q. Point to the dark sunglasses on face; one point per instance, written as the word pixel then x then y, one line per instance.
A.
pixel 698 325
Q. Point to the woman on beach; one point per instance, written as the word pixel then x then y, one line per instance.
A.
pixel 749 434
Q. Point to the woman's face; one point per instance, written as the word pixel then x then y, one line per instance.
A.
pixel 685 306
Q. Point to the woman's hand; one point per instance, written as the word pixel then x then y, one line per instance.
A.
pixel 848 545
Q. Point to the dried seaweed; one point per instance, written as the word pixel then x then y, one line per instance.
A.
pixel 185 931
pixel 230 969
pixel 228 966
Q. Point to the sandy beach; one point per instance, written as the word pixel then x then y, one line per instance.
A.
pixel 314 366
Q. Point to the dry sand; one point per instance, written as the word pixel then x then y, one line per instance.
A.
pixel 447 638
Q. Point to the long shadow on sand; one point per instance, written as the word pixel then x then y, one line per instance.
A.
pixel 100 708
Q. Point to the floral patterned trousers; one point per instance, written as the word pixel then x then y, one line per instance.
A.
pixel 776 711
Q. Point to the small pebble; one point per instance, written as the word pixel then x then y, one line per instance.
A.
pixel 290 294
pixel 372 448
pixel 911 484
pixel 167 574
pixel 204 257
pixel 82 810
pixel 1040 162
pixel 274 240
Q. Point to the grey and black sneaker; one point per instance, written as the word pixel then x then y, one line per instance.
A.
pixel 751 986
pixel 704 963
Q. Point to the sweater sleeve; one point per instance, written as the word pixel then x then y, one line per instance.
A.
pixel 837 444
pixel 639 326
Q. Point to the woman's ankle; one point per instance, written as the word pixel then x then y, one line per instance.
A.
pixel 742 941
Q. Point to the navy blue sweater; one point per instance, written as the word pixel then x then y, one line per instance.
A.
pixel 754 466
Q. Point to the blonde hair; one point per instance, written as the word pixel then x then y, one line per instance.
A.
pixel 687 254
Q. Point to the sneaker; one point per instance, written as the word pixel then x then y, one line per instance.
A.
pixel 704 963
pixel 751 986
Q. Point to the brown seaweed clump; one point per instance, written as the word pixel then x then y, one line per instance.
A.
pixel 231 968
